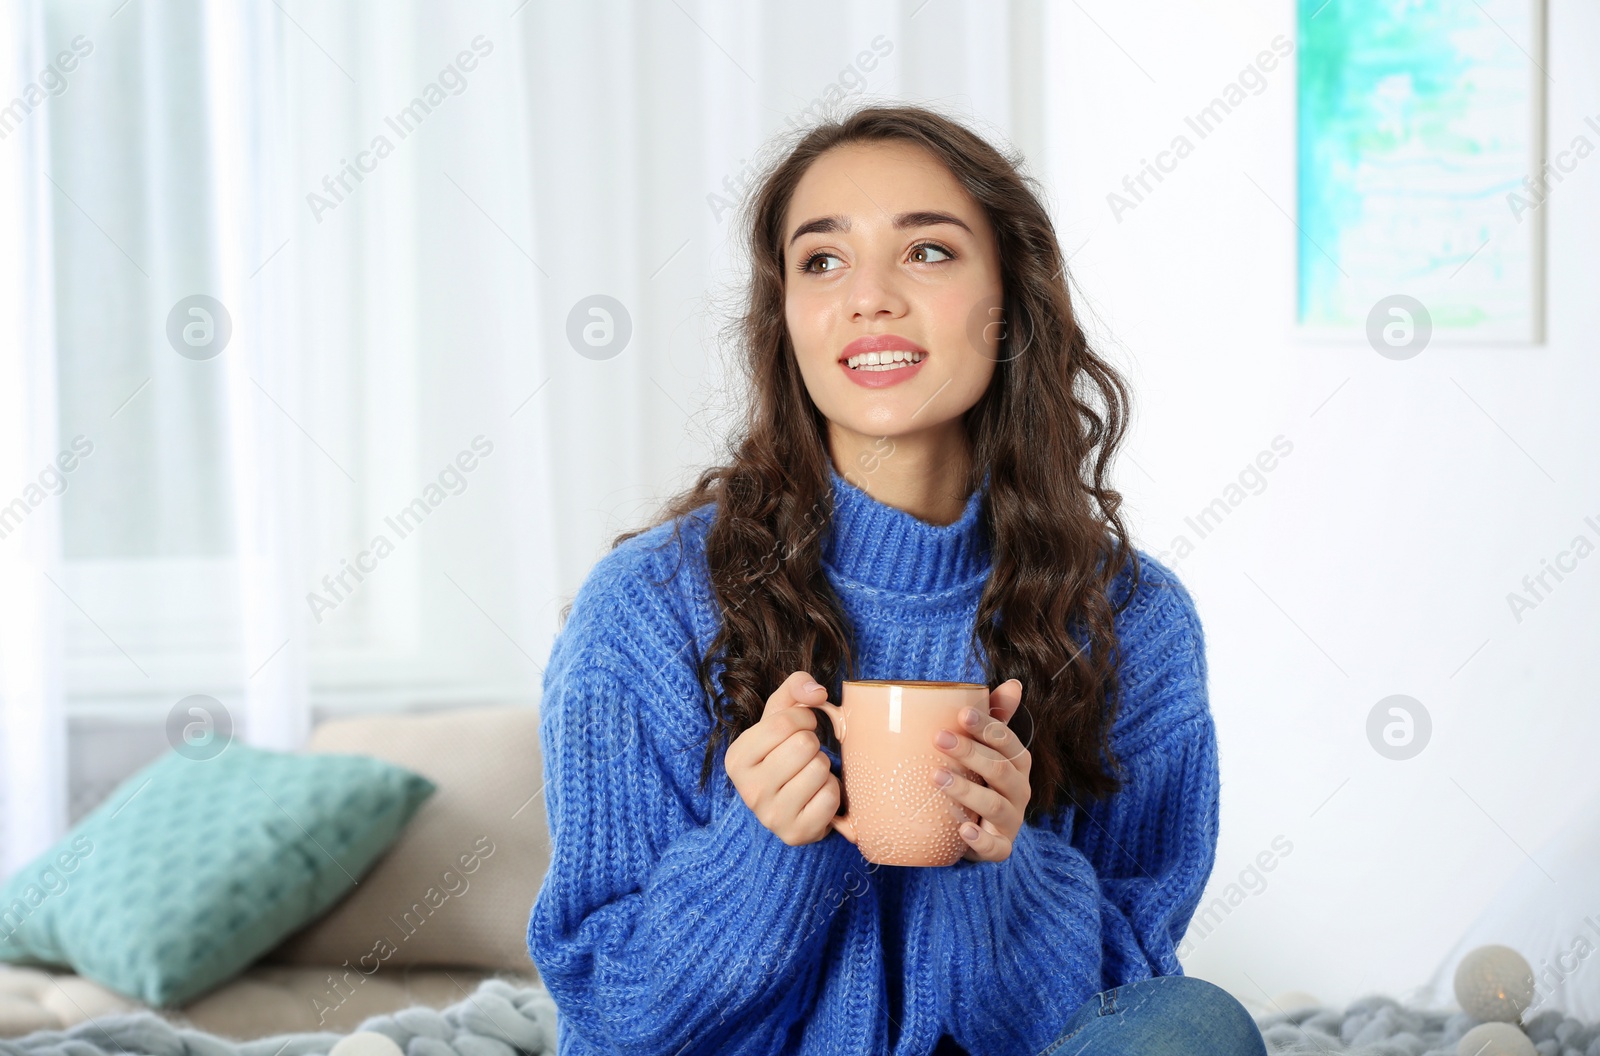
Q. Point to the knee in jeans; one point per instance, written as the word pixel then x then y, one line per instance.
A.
pixel 1218 1006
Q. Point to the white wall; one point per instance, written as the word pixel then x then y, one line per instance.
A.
pixel 1378 557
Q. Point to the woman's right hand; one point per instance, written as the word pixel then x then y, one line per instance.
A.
pixel 780 769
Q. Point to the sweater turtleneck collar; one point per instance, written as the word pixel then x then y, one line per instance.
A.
pixel 885 548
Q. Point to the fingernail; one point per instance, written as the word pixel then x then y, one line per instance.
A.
pixel 810 687
pixel 970 717
pixel 969 830
pixel 945 739
pixel 942 777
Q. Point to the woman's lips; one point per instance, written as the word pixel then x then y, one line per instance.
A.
pixel 880 379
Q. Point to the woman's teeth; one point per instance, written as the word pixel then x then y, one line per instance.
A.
pixel 891 360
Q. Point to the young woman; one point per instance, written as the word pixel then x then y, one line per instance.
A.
pixel 920 491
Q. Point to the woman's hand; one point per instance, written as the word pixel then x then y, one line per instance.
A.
pixel 987 747
pixel 780 769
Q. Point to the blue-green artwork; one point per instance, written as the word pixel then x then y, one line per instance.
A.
pixel 1419 138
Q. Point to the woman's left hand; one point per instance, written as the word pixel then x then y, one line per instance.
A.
pixel 987 747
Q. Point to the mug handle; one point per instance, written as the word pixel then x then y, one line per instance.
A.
pixel 843 824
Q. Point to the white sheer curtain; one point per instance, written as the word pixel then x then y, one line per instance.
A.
pixel 399 213
pixel 32 724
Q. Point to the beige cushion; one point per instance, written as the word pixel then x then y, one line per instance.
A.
pixel 266 1000
pixel 277 999
pixel 457 887
pixel 46 999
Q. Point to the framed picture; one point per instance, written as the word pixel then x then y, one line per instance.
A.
pixel 1421 170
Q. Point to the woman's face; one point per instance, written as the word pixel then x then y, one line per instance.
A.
pixel 883 243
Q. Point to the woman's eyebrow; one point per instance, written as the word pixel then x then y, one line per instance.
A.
pixel 916 218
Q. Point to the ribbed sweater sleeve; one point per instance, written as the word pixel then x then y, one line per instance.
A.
pixel 1093 897
pixel 668 916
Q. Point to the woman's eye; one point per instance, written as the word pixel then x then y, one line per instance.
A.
pixel 924 247
pixel 813 258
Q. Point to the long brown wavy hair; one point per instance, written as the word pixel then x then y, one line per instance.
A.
pixel 1045 432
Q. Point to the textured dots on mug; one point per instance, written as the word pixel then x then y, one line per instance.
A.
pixel 930 829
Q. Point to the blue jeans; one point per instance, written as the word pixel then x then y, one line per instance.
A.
pixel 1165 1015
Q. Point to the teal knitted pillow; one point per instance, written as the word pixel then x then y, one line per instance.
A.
pixel 193 868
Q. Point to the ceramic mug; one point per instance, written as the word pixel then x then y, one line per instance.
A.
pixel 885 727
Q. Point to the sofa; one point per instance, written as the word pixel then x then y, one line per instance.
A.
pixel 486 765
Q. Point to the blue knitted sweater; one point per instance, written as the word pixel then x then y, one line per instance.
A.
pixel 672 921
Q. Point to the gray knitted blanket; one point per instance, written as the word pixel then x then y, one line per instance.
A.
pixel 1382 1026
pixel 504 1020
pixel 497 1020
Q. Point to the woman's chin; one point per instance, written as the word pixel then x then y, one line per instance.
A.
pixel 875 434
